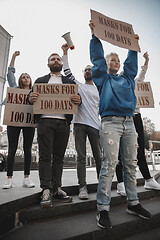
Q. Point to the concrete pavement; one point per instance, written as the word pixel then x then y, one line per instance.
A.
pixel 15 201
pixel 69 178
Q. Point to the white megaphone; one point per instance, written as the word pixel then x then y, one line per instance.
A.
pixel 68 39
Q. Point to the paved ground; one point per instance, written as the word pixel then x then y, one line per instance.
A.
pixel 69 179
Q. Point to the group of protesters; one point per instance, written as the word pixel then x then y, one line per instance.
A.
pixel 117 140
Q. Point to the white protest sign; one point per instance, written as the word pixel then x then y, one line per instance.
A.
pixel 17 111
pixel 113 31
pixel 144 95
pixel 55 99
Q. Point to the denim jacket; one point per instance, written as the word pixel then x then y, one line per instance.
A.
pixel 11 80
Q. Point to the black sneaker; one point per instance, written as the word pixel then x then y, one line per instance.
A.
pixel 61 196
pixel 46 201
pixel 138 210
pixel 103 220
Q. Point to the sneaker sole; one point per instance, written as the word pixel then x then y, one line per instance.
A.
pixel 7 187
pixel 101 226
pixel 63 201
pixel 46 205
pixel 83 198
pixel 28 186
pixel 136 214
pixel 149 188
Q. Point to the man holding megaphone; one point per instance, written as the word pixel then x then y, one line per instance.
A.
pixel 68 39
pixel 86 123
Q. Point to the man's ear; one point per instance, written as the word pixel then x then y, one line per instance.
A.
pixel 48 64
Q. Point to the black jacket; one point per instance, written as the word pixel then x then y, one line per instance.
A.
pixel 45 79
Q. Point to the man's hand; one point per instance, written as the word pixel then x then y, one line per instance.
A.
pixel 33 97
pixel 92 26
pixel 17 53
pixel 136 36
pixel 65 48
pixel 146 55
pixel 76 99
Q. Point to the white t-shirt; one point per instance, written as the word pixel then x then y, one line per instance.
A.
pixel 88 110
pixel 54 80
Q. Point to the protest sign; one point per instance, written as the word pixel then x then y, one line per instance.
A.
pixel 55 99
pixel 17 111
pixel 113 31
pixel 144 95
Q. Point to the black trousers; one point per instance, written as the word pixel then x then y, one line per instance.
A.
pixel 142 163
pixel 81 132
pixel 13 137
pixel 53 135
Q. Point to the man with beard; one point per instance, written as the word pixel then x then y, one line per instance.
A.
pixel 86 123
pixel 53 133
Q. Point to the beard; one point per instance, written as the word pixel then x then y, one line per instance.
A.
pixel 88 78
pixel 57 68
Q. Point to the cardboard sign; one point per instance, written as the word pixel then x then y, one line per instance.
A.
pixel 113 31
pixel 17 111
pixel 144 95
pixel 55 99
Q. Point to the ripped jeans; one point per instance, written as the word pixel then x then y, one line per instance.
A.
pixel 117 132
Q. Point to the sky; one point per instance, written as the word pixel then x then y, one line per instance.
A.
pixel 37 27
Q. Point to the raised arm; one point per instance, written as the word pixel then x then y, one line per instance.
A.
pixel 11 70
pixel 131 65
pixel 144 68
pixel 99 69
pixel 17 53
pixel 66 68
pixel 10 74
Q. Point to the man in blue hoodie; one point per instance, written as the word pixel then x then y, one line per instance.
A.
pixel 117 105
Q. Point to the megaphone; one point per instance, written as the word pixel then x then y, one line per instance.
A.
pixel 68 39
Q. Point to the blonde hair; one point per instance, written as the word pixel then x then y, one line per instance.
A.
pixel 110 54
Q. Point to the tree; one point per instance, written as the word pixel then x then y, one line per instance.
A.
pixel 155 137
pixel 149 127
pixel 146 140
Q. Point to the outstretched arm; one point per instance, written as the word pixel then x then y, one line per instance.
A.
pixel 17 53
pixel 11 70
pixel 131 65
pixel 99 69
pixel 10 75
pixel 67 70
pixel 144 68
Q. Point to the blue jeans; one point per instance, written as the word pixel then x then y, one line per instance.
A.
pixel 117 132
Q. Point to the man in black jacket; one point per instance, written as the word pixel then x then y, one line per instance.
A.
pixel 53 133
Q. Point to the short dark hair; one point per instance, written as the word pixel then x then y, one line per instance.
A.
pixel 53 55
pixel 88 66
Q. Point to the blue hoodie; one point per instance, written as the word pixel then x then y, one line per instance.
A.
pixel 116 92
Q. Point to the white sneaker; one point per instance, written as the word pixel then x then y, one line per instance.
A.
pixel 46 201
pixel 8 184
pixel 62 192
pixel 121 189
pixel 83 194
pixel 152 184
pixel 27 183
